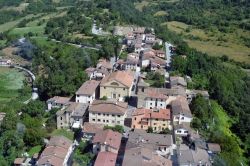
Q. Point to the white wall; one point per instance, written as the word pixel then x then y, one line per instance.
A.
pixel 106 119
pixel 85 98
pixel 149 104
pixel 179 119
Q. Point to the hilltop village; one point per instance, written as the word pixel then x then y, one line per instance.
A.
pixel 130 111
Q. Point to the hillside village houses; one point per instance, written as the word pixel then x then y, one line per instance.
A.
pixel 100 102
pixel 117 85
pixel 158 119
pixel 107 112
pixel 88 92
pixel 72 115
pixel 57 102
pixel 57 152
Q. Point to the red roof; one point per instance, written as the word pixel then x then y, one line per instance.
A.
pixel 108 137
pixel 105 159
pixel 151 114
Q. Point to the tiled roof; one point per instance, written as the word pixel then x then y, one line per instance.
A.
pixel 104 63
pixel 155 93
pixel 55 151
pixel 88 87
pixel 124 77
pixel 58 99
pixel 105 159
pixel 92 127
pixel 77 109
pixel 108 137
pixel 150 140
pixel 176 80
pixel 180 106
pixel 140 156
pixel 151 114
pixel 214 147
pixel 102 106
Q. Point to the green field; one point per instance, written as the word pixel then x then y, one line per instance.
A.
pixel 214 43
pixel 63 132
pixel 11 80
pixel 9 25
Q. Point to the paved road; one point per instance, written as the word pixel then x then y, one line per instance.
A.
pixel 168 53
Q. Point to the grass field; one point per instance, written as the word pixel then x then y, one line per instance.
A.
pixel 9 25
pixel 33 26
pixel 141 5
pixel 35 149
pixel 214 43
pixel 11 80
pixel 63 132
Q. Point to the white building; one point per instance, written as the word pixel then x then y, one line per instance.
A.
pixel 181 111
pixel 88 92
pixel 107 112
pixel 57 102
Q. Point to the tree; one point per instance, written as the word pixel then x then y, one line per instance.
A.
pixel 150 130
pixel 34 108
pixel 117 128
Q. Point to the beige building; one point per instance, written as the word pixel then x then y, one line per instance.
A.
pixel 107 112
pixel 72 115
pixel 117 85
pixel 158 119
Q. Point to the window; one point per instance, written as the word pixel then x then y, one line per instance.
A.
pixel 113 121
pixel 61 118
pixel 150 103
pixel 164 125
pixel 99 120
pixel 185 131
pixel 182 118
pixel 99 113
pixel 155 123
pixel 103 120
pixel 141 126
pixel 123 88
pixel 161 104
pixel 119 95
pixel 89 102
pixel 107 121
pixel 118 122
pixel 119 116
pixel 113 115
pixel 178 131
pixel 61 124
pixel 151 99
pixel 135 118
pixel 93 119
pixel 104 87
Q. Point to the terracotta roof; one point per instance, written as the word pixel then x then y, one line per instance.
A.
pixel 77 109
pixel 155 93
pixel 58 99
pixel 149 113
pixel 140 138
pixel 19 161
pixel 131 60
pixel 213 147
pixel 180 106
pixel 176 80
pixel 124 77
pixel 105 159
pixel 108 137
pixel 104 63
pixel 140 156
pixel 55 151
pixel 92 127
pixel 88 87
pixel 102 106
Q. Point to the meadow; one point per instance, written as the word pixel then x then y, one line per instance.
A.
pixel 11 80
pixel 213 42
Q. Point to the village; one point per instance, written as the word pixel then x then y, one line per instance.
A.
pixel 131 111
